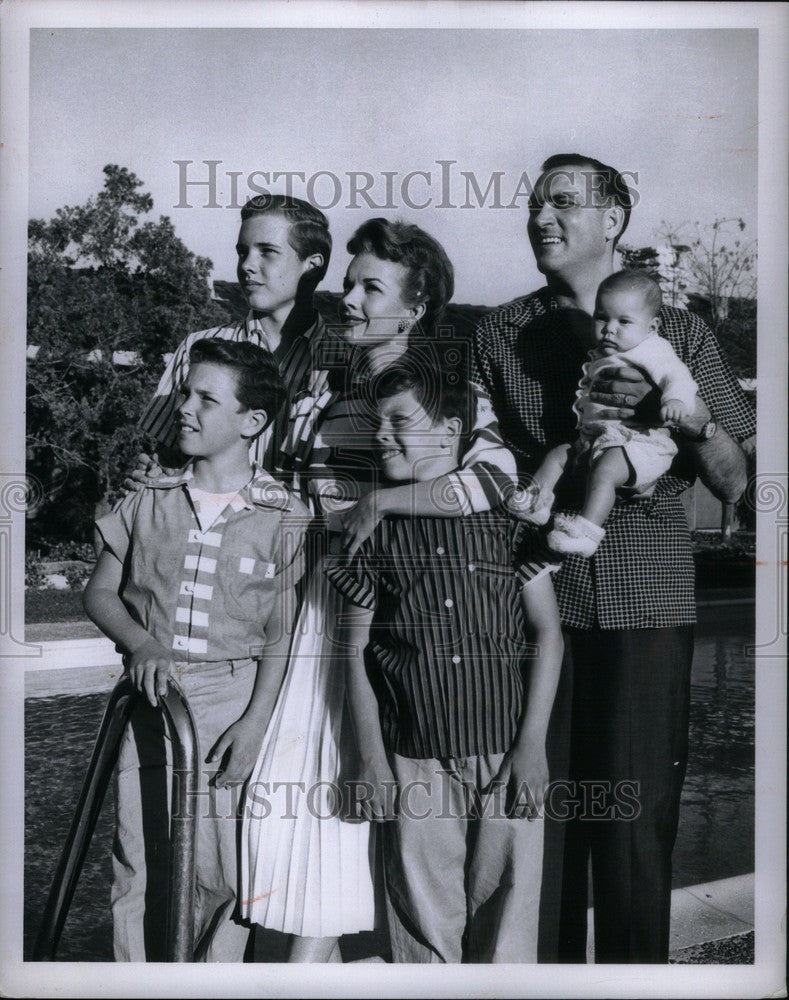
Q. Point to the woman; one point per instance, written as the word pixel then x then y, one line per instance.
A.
pixel 304 870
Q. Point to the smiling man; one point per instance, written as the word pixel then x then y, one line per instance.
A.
pixel 628 612
pixel 283 251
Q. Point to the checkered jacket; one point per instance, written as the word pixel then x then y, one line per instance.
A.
pixel 529 363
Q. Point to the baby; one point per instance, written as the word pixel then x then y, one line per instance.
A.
pixel 612 453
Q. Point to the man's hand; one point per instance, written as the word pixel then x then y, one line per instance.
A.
pixel 673 411
pixel 146 470
pixel 627 394
pixel 360 521
pixel 149 667
pixel 524 777
pixel 238 747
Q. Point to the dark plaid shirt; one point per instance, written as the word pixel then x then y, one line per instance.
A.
pixel 447 647
pixel 529 363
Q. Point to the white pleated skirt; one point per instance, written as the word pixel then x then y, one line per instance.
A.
pixel 304 870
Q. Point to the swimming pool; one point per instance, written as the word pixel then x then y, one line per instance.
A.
pixel 715 838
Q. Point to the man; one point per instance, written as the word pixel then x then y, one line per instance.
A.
pixel 628 612
pixel 283 250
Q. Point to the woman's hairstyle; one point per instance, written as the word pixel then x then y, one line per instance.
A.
pixel 440 388
pixel 259 385
pixel 635 281
pixel 309 227
pixel 431 277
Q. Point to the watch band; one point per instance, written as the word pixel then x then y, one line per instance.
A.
pixel 705 432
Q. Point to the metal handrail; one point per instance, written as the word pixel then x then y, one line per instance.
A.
pixel 183 825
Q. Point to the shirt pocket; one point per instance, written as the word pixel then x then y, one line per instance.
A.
pixel 251 587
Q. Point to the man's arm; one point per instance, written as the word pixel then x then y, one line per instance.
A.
pixel 720 461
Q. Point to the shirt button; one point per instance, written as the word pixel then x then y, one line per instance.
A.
pixel 456 659
pixel 449 603
pixel 189 588
pixel 440 550
pixel 471 567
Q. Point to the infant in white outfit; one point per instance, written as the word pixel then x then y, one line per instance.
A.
pixel 613 453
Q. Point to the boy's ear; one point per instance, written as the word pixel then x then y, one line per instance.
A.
pixel 313 262
pixel 654 325
pixel 453 428
pixel 253 423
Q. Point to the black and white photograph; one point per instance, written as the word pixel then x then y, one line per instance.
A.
pixel 392 572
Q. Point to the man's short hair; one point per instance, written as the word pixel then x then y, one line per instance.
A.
pixel 608 181
pixel 259 385
pixel 635 281
pixel 430 276
pixel 440 389
pixel 309 227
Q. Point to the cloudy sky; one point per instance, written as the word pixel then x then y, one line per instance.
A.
pixel 677 107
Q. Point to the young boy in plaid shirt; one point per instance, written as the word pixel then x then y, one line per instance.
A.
pixel 196 578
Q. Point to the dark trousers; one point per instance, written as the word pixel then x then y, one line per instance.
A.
pixel 627 694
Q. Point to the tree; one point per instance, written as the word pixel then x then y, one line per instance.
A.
pixel 101 282
pixel 717 264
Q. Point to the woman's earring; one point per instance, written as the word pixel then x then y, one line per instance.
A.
pixel 403 325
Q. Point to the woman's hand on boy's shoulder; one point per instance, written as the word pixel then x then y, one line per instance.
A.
pixel 149 668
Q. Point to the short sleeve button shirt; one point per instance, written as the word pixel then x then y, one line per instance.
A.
pixel 642 575
pixel 207 591
pixel 447 649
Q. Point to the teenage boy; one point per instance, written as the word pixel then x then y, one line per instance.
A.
pixel 195 579
pixel 629 610
pixel 437 684
pixel 283 251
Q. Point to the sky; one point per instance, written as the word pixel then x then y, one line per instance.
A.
pixel 676 107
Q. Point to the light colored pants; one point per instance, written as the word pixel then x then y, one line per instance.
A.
pixel 218 694
pixel 459 888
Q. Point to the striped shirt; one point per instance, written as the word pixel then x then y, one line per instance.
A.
pixel 447 650
pixel 300 370
pixel 642 575
pixel 206 590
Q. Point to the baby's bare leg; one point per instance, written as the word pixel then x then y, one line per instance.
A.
pixel 606 474
pixel 535 503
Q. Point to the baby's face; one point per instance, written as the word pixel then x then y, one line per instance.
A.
pixel 622 320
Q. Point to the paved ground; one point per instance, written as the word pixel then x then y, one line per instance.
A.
pixel 738 950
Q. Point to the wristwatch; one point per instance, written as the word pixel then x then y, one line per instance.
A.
pixel 705 432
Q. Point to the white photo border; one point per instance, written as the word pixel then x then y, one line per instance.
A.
pixel 765 977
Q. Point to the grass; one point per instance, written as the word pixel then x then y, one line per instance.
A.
pixel 53 606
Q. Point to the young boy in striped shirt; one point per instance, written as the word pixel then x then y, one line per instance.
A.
pixel 196 578
pixel 449 704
